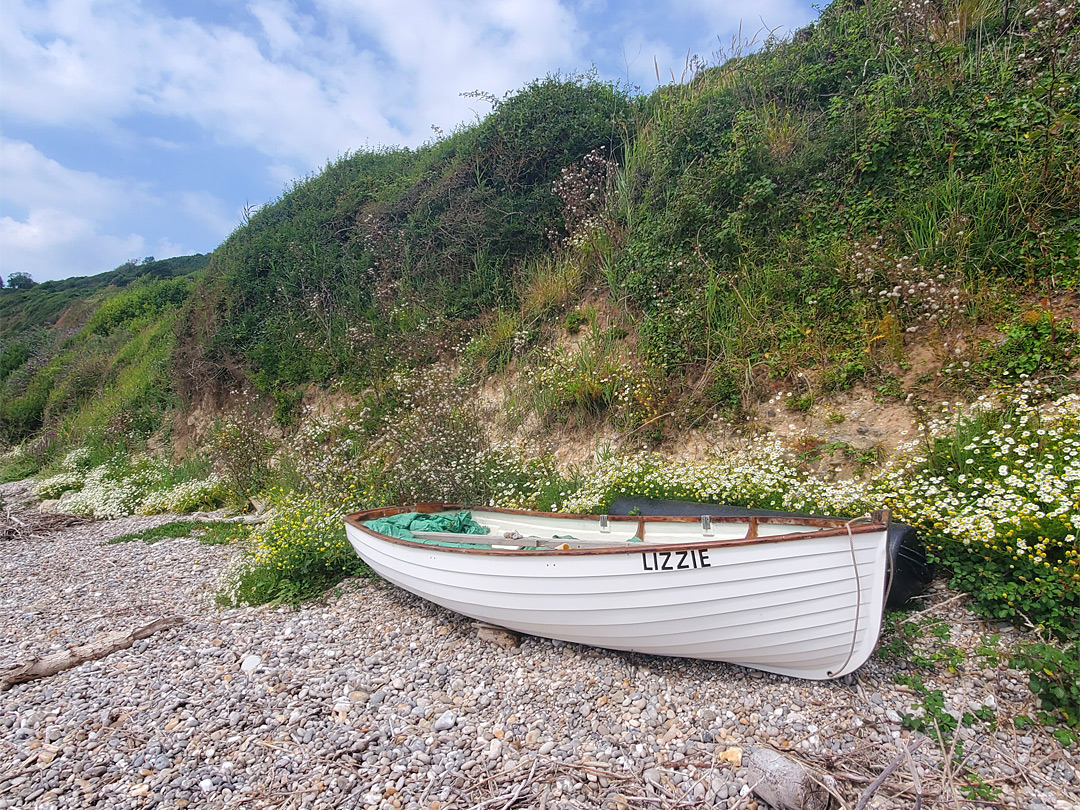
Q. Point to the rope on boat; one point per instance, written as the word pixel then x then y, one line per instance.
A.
pixel 858 598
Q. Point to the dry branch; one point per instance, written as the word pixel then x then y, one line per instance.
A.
pixel 46 665
pixel 34 525
pixel 885 774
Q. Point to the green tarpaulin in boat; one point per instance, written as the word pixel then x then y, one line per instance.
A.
pixel 402 526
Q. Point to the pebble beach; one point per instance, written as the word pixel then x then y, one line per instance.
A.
pixel 371 697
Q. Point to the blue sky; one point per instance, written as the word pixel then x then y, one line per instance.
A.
pixel 132 129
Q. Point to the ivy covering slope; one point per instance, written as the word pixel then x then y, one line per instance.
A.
pixel 387 244
pixel 726 215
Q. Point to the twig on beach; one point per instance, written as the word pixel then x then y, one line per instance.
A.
pixel 885 774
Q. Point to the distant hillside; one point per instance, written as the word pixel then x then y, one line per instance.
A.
pixel 91 354
pixel 43 303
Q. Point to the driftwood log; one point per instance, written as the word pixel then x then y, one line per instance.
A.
pixel 786 784
pixel 46 665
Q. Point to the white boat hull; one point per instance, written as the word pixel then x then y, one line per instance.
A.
pixel 807 607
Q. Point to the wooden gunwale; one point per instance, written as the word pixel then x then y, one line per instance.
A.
pixel 833 527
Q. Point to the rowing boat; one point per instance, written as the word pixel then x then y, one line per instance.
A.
pixel 797 596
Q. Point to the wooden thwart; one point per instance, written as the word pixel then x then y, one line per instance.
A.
pixel 46 665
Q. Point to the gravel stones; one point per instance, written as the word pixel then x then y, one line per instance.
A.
pixel 412 710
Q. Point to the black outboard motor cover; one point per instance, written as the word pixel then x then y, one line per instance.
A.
pixel 909 570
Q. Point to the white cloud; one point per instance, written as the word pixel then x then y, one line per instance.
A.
pixel 291 82
pixel 51 243
pixel 645 58
pixel 32 180
pixel 381 74
pixel 165 249
pixel 278 21
pixel 61 231
pixel 207 209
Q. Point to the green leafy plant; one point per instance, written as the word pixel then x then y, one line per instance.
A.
pixel 241 448
pixel 1054 676
pixel 213 533
pixel 178 528
pixel 1035 343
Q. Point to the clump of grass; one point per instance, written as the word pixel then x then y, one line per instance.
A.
pixel 177 528
pixel 599 374
pixel 550 285
pixel 220 533
pixel 217 533
pixel 498 340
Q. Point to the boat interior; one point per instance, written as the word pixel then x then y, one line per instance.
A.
pixel 521 530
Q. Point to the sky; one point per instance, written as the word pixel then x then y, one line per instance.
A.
pixel 133 129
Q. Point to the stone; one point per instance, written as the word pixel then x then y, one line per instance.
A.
pixel 179 715
pixel 734 755
pixel 445 721
pixel 498 636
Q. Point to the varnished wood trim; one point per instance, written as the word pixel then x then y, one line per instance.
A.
pixel 830 528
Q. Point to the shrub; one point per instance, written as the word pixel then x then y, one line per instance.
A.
pixel 123 486
pixel 57 485
pixel 109 492
pixel 296 555
pixel 187 496
pixel 996 492
pixel 241 449
pixel 138 303
pixel 1035 343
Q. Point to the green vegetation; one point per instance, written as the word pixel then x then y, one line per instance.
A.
pixel 398 244
pixel 297 556
pixel 210 534
pixel 89 360
pixel 1054 675
pixel 91 482
pixel 43 304
pixel 886 204
pixel 891 175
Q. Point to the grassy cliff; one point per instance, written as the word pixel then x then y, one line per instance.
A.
pixel 890 176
